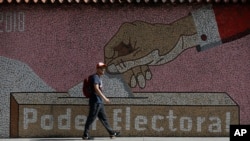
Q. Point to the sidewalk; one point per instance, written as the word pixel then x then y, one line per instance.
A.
pixel 124 139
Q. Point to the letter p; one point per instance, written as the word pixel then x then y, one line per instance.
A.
pixel 29 116
pixel 243 131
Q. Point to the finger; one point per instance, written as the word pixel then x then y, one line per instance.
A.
pixel 142 74
pixel 129 78
pixel 120 66
pixel 146 72
pixel 138 77
pixel 120 50
pixel 141 80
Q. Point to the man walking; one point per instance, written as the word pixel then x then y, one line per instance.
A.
pixel 96 105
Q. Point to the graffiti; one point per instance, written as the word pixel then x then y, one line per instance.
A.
pixel 149 50
pixel 12 21
pixel 175 123
pixel 47 121
pixel 138 45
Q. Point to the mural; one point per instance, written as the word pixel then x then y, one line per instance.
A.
pixel 157 55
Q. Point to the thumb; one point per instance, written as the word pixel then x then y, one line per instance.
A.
pixel 125 63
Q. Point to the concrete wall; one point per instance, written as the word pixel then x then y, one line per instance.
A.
pixel 161 48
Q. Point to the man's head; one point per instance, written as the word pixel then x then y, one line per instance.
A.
pixel 100 68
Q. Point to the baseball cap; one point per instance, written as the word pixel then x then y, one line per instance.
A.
pixel 101 65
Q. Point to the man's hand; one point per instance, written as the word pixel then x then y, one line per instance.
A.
pixel 138 45
pixel 106 100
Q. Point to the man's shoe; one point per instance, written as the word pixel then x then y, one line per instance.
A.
pixel 87 138
pixel 115 134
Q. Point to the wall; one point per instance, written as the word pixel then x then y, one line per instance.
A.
pixel 161 48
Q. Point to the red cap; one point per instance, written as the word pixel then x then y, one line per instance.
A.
pixel 101 65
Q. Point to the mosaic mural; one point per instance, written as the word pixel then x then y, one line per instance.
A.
pixel 194 57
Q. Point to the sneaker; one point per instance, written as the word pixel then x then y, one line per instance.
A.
pixel 87 137
pixel 115 134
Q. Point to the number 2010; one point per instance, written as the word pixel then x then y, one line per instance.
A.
pixel 12 21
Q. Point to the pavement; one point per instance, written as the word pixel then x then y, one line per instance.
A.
pixel 125 139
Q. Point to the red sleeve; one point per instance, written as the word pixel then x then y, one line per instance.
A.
pixel 233 21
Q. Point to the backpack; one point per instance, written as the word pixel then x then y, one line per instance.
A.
pixel 86 89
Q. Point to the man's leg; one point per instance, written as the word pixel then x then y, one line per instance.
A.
pixel 103 118
pixel 93 112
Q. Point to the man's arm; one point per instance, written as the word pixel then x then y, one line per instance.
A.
pixel 99 92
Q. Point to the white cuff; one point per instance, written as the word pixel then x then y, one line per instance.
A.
pixel 206 27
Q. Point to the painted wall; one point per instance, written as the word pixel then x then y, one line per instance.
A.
pixel 185 48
